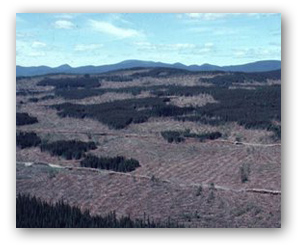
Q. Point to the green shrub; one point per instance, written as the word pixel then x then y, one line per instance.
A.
pixel 245 172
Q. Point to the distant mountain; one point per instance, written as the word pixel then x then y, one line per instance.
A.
pixel 259 66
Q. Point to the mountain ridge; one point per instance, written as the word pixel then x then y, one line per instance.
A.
pixel 258 66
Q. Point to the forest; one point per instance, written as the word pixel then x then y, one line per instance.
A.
pixel 168 72
pixel 69 150
pixel 43 98
pixel 173 136
pixel 27 139
pixel 179 136
pixel 119 114
pixel 117 78
pixel 25 119
pixel 65 83
pixel 32 212
pixel 251 108
pixel 118 163
pixel 74 93
pixel 239 77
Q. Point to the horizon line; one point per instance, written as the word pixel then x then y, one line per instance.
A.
pixel 206 63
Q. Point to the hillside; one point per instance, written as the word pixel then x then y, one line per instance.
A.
pixel 200 148
pixel 259 66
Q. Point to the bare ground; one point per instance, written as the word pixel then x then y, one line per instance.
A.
pixel 101 192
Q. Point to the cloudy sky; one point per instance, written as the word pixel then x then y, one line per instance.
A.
pixel 193 38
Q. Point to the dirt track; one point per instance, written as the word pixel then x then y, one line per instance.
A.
pixel 217 187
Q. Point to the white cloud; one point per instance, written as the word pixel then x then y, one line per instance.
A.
pixel 209 45
pixel 178 48
pixel 261 15
pixel 63 24
pixel 206 16
pixel 119 18
pixel 36 53
pixel 37 44
pixel 164 47
pixel 199 29
pixel 275 44
pixel 217 16
pixel 65 16
pixel 258 53
pixel 217 31
pixel 108 28
pixel 87 47
pixel 24 35
pixel 207 48
pixel 202 51
pixel 29 49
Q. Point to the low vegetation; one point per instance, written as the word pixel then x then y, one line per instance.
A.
pixel 118 164
pixel 245 172
pixel 68 149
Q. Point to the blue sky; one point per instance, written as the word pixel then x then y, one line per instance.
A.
pixel 191 38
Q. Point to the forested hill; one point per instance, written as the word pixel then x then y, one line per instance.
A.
pixel 259 66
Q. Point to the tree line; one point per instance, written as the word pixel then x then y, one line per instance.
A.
pixel 32 212
pixel 65 83
pixel 240 77
pixel 119 114
pixel 69 150
pixel 27 140
pixel 118 163
pixel 75 93
pixel 179 136
pixel 25 119
pixel 256 108
pixel 36 99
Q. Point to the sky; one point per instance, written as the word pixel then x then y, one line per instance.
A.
pixel 81 39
